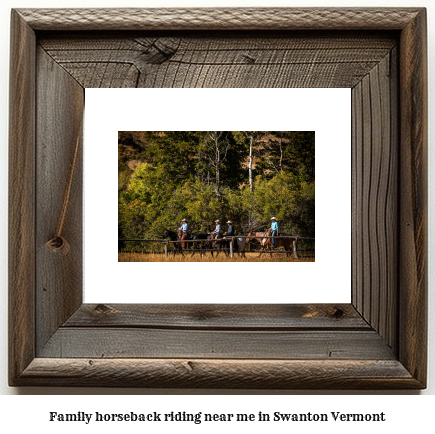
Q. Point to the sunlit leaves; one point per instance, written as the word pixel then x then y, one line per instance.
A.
pixel 176 179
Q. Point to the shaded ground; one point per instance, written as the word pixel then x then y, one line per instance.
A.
pixel 250 257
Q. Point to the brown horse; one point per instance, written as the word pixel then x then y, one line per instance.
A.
pixel 264 242
pixel 254 235
pixel 202 243
pixel 173 236
pixel 218 243
pixel 183 236
pixel 287 243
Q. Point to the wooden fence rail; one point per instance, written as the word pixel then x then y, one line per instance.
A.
pixel 224 238
pixel 230 239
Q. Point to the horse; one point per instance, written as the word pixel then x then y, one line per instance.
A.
pixel 173 236
pixel 184 236
pixel 218 243
pixel 287 243
pixel 202 241
pixel 239 244
pixel 255 235
pixel 265 243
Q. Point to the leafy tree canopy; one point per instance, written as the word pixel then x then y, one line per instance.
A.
pixel 164 177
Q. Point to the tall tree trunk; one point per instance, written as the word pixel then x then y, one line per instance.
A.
pixel 215 147
pixel 217 181
pixel 218 162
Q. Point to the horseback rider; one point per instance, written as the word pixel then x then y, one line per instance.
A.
pixel 231 232
pixel 185 229
pixel 217 231
pixel 274 227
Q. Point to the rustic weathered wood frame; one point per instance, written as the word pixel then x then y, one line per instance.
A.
pixel 377 341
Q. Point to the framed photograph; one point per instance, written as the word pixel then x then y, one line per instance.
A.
pixel 377 341
pixel 151 181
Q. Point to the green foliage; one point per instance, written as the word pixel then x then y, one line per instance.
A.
pixel 124 174
pixel 219 159
pixel 177 180
pixel 173 151
pixel 289 198
pixel 288 151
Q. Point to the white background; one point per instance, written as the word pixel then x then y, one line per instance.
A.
pixel 408 412
pixel 325 111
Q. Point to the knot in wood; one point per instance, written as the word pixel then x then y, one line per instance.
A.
pixel 157 52
pixel 249 59
pixel 58 244
pixel 338 313
pixel 103 309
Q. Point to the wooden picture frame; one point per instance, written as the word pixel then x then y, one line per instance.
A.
pixel 376 342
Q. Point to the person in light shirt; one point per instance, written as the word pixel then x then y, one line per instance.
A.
pixel 185 228
pixel 274 226
pixel 230 231
pixel 217 230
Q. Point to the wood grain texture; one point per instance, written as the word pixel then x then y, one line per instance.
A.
pixel 413 198
pixel 375 197
pixel 220 317
pixel 21 197
pixel 379 342
pixel 357 228
pixel 60 105
pixel 393 298
pixel 240 374
pixel 220 18
pixel 236 60
pixel 127 342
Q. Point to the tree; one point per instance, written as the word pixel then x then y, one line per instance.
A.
pixel 290 198
pixel 131 146
pixel 219 160
pixel 173 151
pixel 213 151
pixel 254 142
pixel 203 176
pixel 293 151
